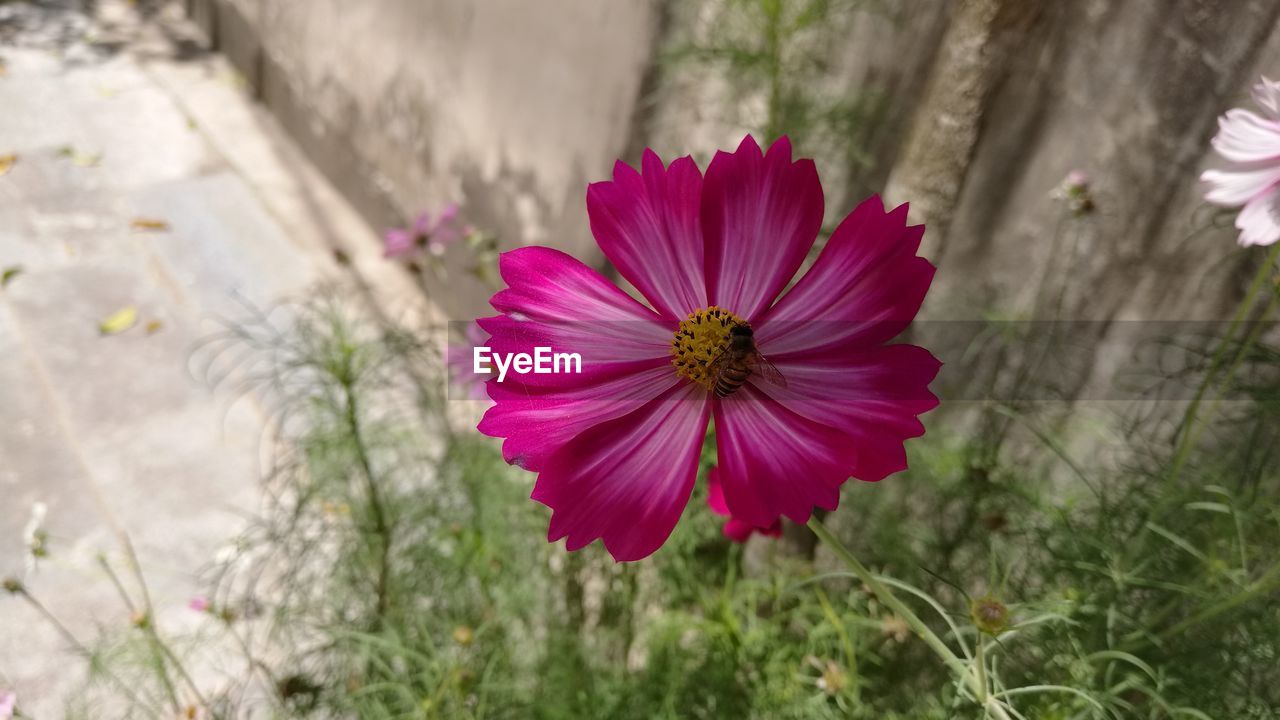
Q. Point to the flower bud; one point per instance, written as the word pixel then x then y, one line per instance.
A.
pixel 895 628
pixel 989 615
pixel 463 635
pixel 833 679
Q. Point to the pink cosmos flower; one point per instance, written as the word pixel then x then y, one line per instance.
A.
pixel 734 529
pixel 616 446
pixel 436 236
pixel 1250 143
pixel 8 704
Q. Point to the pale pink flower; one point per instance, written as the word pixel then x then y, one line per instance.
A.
pixel 433 236
pixel 199 603
pixel 1074 190
pixel 616 446
pixel 1250 144
pixel 8 704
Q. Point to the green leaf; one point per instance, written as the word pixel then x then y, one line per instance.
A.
pixel 80 157
pixel 1209 507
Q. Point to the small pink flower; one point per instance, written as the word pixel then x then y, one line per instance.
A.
pixel 8 704
pixel 435 237
pixel 734 529
pixel 1075 190
pixel 1250 144
pixel 199 603
pixel 460 360
pixel 1076 181
pixel 616 446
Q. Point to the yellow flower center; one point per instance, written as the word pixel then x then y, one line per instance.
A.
pixel 700 338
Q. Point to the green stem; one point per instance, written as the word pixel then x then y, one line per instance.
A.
pixel 980 667
pixel 1254 333
pixel 1263 584
pixel 80 648
pixel 773 49
pixel 891 601
pixel 381 525
pixel 157 643
pixel 1189 430
pixel 975 679
pixel 148 629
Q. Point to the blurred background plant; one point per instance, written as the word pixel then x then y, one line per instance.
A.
pixel 386 577
pixel 768 54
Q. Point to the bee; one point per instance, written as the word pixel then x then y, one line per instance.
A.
pixel 739 361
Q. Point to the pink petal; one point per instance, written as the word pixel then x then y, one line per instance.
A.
pixel 422 224
pixel 648 226
pixel 555 301
pixel 715 493
pixel 1244 136
pixel 774 462
pixel 760 215
pixel 865 288
pixel 397 242
pixel 740 531
pixel 628 480
pixel 873 396
pixel 448 214
pixel 734 529
pixel 1238 183
pixel 537 422
pixel 1258 222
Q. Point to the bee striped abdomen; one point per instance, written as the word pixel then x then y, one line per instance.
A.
pixel 731 379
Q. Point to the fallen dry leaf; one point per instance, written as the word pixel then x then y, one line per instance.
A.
pixel 149 225
pixel 119 321
pixel 154 326
pixel 7 162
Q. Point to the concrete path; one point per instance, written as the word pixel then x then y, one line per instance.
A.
pixel 144 178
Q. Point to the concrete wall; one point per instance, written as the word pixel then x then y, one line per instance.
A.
pixel 512 107
pixel 509 107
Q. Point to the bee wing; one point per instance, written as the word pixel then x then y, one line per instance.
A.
pixel 717 365
pixel 762 368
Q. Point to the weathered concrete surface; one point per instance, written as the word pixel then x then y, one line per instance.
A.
pixel 1128 92
pixel 983 107
pixel 113 432
pixel 507 107
pixel 987 104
